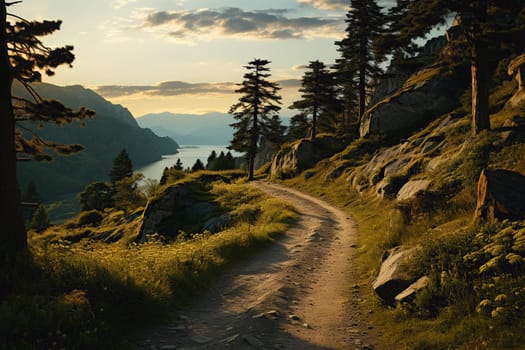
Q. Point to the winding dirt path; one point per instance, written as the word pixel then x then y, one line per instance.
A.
pixel 297 294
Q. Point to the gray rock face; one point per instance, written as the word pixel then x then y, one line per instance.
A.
pixel 395 274
pixel 179 201
pixel 407 110
pixel 412 290
pixel 303 155
pixel 288 163
pixel 386 86
pixel 412 188
pixel 216 224
pixel 160 209
pixel 501 195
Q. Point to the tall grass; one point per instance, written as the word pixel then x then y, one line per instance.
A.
pixel 95 295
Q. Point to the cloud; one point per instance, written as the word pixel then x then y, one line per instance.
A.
pixel 300 67
pixel 169 88
pixel 239 23
pixel 327 4
pixel 177 88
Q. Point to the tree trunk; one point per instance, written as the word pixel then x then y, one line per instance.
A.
pixel 480 86
pixel 314 122
pixel 13 239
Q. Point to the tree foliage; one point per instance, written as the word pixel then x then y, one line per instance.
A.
pixel 319 97
pixel 358 66
pixel 122 167
pixel 483 22
pixel 40 220
pixel 256 111
pixel 198 165
pixel 97 196
pixel 23 58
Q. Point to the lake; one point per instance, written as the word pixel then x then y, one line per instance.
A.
pixel 188 154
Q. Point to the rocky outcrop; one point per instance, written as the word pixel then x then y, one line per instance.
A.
pixel 425 96
pixel 412 188
pixel 501 195
pixel 389 83
pixel 265 153
pixel 389 169
pixel 179 207
pixel 396 274
pixel 517 69
pixel 303 155
pixel 409 293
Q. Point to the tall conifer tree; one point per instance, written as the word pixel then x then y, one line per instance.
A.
pixel 319 95
pixel 23 57
pixel 122 167
pixel 255 112
pixel 484 22
pixel 358 65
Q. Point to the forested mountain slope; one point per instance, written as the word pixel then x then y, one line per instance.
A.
pixel 112 129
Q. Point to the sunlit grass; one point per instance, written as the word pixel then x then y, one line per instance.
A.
pixel 92 294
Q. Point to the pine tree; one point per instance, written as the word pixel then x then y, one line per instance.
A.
pixel 299 127
pixel 484 22
pixel 255 110
pixel 23 57
pixel 358 66
pixel 97 195
pixel 164 177
pixel 197 166
pixel 178 165
pixel 319 95
pixel 211 160
pixel 40 220
pixel 229 161
pixel 122 167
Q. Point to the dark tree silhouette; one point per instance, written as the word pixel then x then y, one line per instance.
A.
pixel 483 22
pixel 197 166
pixel 23 57
pixel 319 95
pixel 178 165
pixel 211 160
pixel 255 112
pixel 358 65
pixel 122 167
pixel 97 195
pixel 164 177
pixel 40 220
pixel 299 127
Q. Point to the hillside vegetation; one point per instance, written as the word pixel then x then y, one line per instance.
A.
pixel 475 298
pixel 95 287
pixel 67 175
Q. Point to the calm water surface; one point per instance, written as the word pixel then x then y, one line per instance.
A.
pixel 188 155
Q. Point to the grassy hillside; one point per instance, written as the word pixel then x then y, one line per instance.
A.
pixel 92 287
pixel 476 299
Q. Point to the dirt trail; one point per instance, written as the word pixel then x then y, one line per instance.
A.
pixel 297 294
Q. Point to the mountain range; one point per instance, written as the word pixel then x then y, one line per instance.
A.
pixel 191 129
pixel 112 129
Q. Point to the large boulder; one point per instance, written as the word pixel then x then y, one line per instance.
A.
pixel 179 208
pixel 501 195
pixel 409 293
pixel 396 274
pixel 412 188
pixel 425 96
pixel 304 154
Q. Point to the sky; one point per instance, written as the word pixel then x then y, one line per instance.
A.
pixel 185 56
